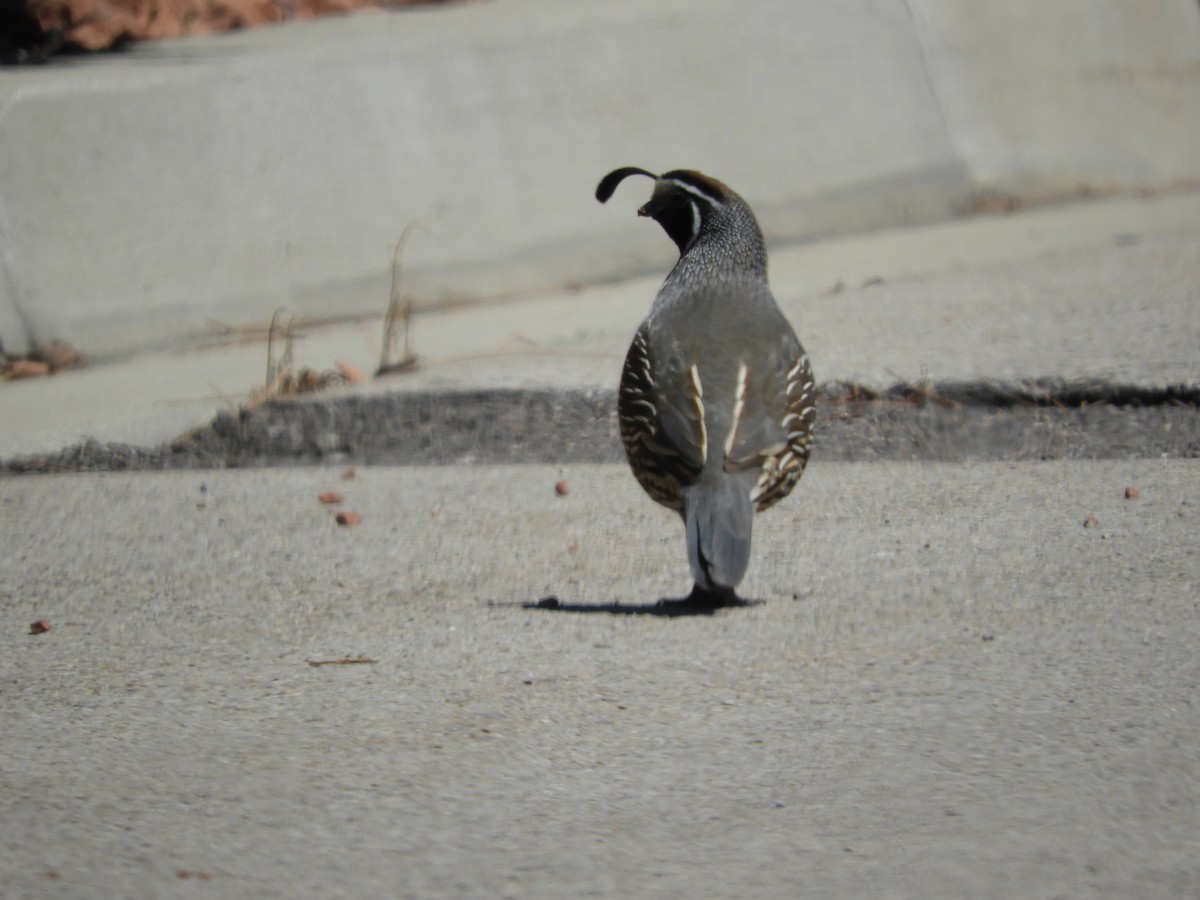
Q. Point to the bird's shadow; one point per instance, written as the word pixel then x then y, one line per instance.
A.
pixel 667 608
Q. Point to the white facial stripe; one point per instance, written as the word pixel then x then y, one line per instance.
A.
pixel 696 192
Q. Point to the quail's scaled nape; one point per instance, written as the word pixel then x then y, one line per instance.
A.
pixel 717 399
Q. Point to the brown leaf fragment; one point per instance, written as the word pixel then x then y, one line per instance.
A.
pixel 25 368
pixel 1091 522
pixel 1132 493
pixel 309 381
pixel 992 203
pixel 330 497
pixel 41 626
pixel 349 473
pixel 348 517
pixel 342 661
pixel 348 370
pixel 59 355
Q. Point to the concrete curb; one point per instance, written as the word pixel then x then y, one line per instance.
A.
pixel 222 178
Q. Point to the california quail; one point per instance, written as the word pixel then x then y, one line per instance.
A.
pixel 716 402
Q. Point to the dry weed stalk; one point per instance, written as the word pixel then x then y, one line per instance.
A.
pixel 281 380
pixel 399 310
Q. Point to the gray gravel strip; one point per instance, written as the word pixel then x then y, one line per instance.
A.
pixel 948 423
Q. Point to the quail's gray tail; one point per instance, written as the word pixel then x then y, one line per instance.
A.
pixel 718 516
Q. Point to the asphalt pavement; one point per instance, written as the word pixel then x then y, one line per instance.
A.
pixel 952 687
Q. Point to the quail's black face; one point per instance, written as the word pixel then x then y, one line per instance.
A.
pixel 678 213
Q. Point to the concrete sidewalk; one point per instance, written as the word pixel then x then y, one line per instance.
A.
pixel 223 177
pixel 952 689
pixel 1100 291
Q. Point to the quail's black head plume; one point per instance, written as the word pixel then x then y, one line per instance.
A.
pixel 716 401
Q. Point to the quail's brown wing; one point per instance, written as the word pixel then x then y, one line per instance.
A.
pixel 662 424
pixel 772 428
